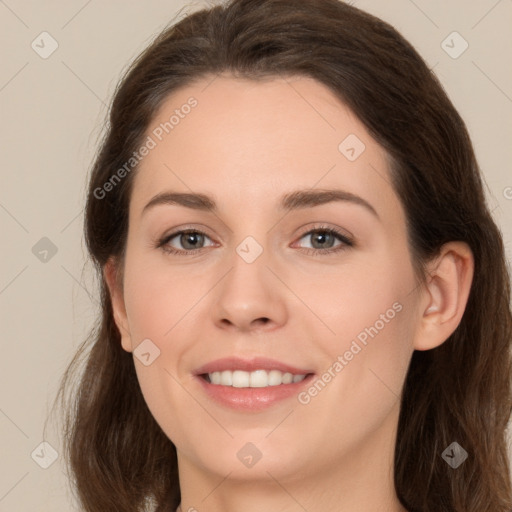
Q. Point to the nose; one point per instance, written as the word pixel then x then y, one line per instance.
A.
pixel 250 297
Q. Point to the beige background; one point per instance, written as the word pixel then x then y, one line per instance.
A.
pixel 51 116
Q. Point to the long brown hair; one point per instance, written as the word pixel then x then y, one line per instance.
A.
pixel 459 391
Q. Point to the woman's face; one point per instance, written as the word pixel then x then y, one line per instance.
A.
pixel 261 279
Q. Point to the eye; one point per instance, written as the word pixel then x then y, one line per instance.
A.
pixel 192 240
pixel 323 238
pixel 189 239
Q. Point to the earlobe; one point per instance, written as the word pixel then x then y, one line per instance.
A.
pixel 445 295
pixel 112 279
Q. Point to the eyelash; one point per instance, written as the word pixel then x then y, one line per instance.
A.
pixel 346 242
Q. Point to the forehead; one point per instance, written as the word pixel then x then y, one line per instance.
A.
pixel 249 142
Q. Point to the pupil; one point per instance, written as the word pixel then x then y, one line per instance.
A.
pixel 192 236
pixel 322 236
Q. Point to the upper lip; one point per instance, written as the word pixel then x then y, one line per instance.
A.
pixel 249 365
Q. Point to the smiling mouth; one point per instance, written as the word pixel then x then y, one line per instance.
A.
pixel 254 379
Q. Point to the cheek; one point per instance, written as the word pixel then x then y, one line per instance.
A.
pixel 159 301
pixel 371 315
pixel 159 306
pixel 362 296
pixel 365 368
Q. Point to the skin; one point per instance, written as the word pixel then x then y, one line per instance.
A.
pixel 246 144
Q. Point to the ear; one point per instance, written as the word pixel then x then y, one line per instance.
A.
pixel 445 295
pixel 113 278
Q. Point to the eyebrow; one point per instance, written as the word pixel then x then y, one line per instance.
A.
pixel 296 200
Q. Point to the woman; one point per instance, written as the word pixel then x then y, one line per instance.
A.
pixel 235 367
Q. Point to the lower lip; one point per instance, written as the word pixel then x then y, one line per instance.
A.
pixel 252 399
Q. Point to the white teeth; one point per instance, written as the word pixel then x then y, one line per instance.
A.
pixel 226 378
pixel 241 379
pixel 275 377
pixel 216 377
pixel 287 378
pixel 255 379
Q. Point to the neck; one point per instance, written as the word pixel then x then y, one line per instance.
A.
pixel 362 481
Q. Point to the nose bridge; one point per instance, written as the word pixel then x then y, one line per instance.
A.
pixel 255 246
pixel 249 292
pixel 249 275
pixel 251 236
